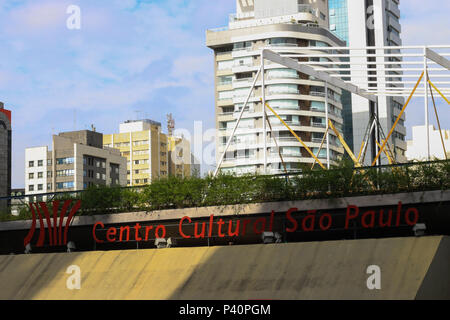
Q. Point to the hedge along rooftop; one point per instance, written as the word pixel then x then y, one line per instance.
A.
pixel 173 192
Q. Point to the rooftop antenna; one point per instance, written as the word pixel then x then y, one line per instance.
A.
pixel 170 124
pixel 92 127
pixel 137 114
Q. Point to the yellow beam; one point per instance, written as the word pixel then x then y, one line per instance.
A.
pixel 321 145
pixel 387 154
pixel 295 135
pixel 398 119
pixel 360 151
pixel 346 147
pixel 439 92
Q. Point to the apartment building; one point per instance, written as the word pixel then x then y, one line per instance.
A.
pixel 150 153
pixel 298 98
pixel 77 161
pixel 5 154
pixel 416 149
pixel 362 23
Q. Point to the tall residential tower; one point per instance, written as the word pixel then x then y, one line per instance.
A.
pixel 298 98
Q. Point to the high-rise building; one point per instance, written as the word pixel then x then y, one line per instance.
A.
pixel 150 153
pixel 298 98
pixel 416 149
pixel 77 161
pixel 363 23
pixel 5 154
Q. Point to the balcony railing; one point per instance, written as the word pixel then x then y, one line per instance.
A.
pixel 318 124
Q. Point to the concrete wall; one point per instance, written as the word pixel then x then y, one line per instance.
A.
pixel 410 268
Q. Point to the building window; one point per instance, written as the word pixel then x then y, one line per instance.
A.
pixel 31 187
pixel 49 186
pixel 49 162
pixel 31 164
pixel 64 160
pixel 40 163
pixel 65 173
pixel 49 174
pixel 31 175
pixel 65 185
pixel 40 175
pixel 140 143
pixel 97 175
pixel 103 176
pixel 40 187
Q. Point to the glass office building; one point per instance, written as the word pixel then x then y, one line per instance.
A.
pixel 338 17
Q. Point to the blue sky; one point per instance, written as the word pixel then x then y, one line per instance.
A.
pixel 132 59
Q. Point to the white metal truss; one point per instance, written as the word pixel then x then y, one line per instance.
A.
pixel 369 72
pixel 394 68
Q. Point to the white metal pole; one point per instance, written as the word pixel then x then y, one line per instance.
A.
pixel 237 123
pixel 377 132
pixel 427 120
pixel 263 88
pixel 326 120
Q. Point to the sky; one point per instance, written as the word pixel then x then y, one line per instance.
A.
pixel 134 59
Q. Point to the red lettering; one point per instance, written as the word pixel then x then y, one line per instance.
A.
pixel 309 218
pixel 147 230
pixel 127 228
pixel 364 223
pixel 93 231
pixel 180 229
pixel 328 216
pixel 291 219
pixel 202 235
pixel 244 228
pixel 399 209
pixel 236 229
pixel 348 216
pixel 111 232
pixel 137 227
pixel 160 227
pixel 220 223
pixel 211 219
pixel 261 221
pixel 416 216
pixel 271 221
pixel 388 223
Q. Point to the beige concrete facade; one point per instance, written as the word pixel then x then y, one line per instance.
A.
pixel 150 153
pixel 77 161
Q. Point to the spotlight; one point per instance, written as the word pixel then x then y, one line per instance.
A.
pixel 271 237
pixel 278 238
pixel 71 246
pixel 419 229
pixel 28 249
pixel 160 243
pixel 171 243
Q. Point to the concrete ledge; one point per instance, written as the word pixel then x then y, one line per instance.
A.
pixel 249 209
